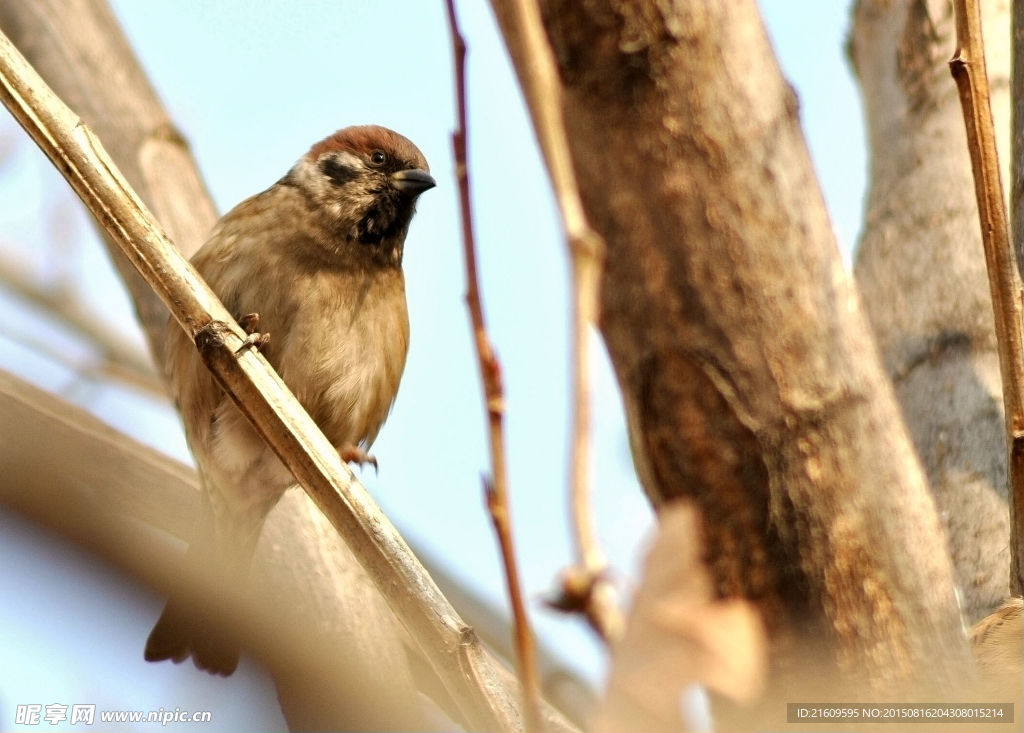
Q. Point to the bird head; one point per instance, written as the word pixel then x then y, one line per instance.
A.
pixel 365 180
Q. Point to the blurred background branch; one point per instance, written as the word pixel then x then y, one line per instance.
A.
pixel 117 357
pixel 81 52
pixel 162 493
pixel 73 492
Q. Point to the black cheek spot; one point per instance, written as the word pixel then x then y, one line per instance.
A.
pixel 339 173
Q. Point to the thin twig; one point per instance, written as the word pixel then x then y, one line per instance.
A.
pixel 1017 241
pixel 586 586
pixel 468 673
pixel 968 69
pixel 495 489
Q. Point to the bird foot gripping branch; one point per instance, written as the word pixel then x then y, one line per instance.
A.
pixel 250 323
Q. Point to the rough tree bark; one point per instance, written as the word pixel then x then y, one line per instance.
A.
pixel 921 271
pixel 81 52
pixel 751 381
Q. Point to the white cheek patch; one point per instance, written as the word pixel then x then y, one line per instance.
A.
pixel 349 160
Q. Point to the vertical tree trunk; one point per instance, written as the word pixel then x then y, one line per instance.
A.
pixel 751 381
pixel 921 271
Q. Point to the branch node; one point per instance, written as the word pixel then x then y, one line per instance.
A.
pixel 590 593
pixel 212 336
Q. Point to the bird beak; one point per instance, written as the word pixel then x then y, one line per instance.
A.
pixel 413 181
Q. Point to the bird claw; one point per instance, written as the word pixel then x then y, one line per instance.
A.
pixel 250 322
pixel 355 454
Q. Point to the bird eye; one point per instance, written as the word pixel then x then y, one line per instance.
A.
pixel 378 158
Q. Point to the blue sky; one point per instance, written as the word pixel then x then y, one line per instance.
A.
pixel 252 85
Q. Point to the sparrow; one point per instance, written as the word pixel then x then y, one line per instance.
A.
pixel 316 262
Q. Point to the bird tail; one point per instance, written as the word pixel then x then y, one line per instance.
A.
pixel 177 636
pixel 185 631
pixel 228 540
